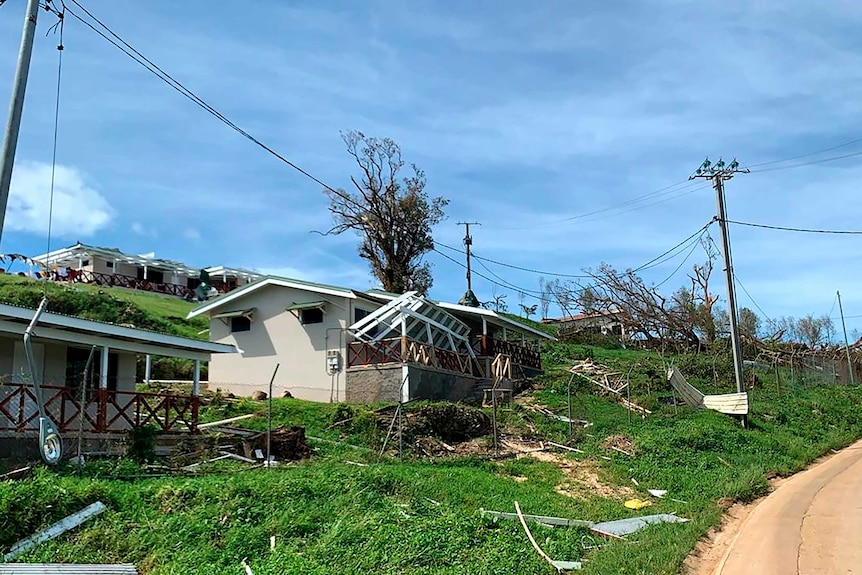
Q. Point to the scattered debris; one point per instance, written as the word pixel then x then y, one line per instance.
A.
pixel 657 492
pixel 566 447
pixel 194 466
pixel 623 527
pixel 637 504
pixel 259 395
pixel 622 443
pixel 728 403
pixel 616 529
pixel 223 421
pixel 547 521
pixel 248 570
pixel 720 458
pixel 611 382
pixel 560 566
pixel 288 444
pixel 55 530
pixel 355 463
pixel 17 474
pixel 552 415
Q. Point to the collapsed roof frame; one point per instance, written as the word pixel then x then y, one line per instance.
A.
pixel 412 316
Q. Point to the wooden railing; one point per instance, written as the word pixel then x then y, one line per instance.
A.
pixel 104 410
pixel 487 346
pixel 394 350
pixel 130 282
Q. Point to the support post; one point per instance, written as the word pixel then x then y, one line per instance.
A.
pixel 148 367
pixel 718 173
pixel 846 343
pixel 102 416
pixel 196 382
pixel 103 368
pixel 16 107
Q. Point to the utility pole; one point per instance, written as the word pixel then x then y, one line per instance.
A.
pixel 718 173
pixel 10 137
pixel 846 343
pixel 469 297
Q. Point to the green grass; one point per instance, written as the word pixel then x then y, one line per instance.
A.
pixel 161 313
pixel 421 516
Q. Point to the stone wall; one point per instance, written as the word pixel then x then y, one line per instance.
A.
pixel 381 383
pixel 373 383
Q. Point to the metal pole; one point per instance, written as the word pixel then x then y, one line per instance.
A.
pixel 16 106
pixel 269 417
pixel 718 181
pixel 846 343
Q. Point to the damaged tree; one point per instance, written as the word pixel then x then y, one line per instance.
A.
pixel 393 215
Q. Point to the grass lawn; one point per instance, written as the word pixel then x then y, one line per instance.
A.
pixel 421 515
pixel 162 313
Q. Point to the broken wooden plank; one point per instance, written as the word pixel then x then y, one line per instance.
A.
pixel 16 474
pixel 547 521
pixel 237 457
pixel 559 445
pixel 199 463
pixel 558 565
pixel 55 530
pixel 223 421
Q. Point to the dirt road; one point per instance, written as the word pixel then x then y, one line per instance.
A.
pixel 810 525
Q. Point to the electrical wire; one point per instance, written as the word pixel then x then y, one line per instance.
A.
pixel 513 266
pixel 753 301
pixel 682 263
pixel 650 263
pixel 525 291
pixel 812 162
pixel 788 229
pixel 60 49
pixel 142 60
pixel 637 200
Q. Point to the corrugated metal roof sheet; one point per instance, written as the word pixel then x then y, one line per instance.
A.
pixel 66 569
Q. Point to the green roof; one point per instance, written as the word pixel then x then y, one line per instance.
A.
pixel 307 305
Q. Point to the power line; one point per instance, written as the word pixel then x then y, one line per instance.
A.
pixel 135 55
pixel 637 200
pixel 683 242
pixel 682 263
pixel 525 291
pixel 788 229
pixel 809 154
pixel 753 301
pixel 513 266
pixel 812 162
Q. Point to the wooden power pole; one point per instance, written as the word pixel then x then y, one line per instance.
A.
pixel 469 297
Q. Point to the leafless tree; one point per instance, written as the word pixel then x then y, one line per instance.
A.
pixel 813 330
pixel 546 292
pixel 392 215
pixel 749 323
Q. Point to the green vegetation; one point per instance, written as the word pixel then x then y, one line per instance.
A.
pixel 420 515
pixel 163 314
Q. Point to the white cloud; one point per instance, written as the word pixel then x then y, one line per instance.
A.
pixel 192 234
pixel 143 230
pixel 79 210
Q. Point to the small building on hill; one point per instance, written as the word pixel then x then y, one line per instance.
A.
pixel 111 267
pixel 338 344
pixel 599 322
pixel 61 348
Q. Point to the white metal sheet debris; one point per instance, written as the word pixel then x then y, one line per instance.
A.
pixel 55 530
pixel 728 403
pixel 622 527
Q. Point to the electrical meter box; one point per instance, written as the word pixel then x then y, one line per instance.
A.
pixel 333 360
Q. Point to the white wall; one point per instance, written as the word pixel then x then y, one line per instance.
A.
pixel 277 336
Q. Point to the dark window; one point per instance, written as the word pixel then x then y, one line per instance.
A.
pixel 156 277
pixel 314 315
pixel 85 263
pixel 240 323
pixel 359 314
pixel 109 265
pixel 193 283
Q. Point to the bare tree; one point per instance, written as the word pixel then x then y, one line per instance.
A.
pixel 813 330
pixel 497 302
pixel 528 309
pixel 749 323
pixel 393 215
pixel 546 292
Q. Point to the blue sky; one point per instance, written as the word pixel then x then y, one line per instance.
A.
pixel 521 114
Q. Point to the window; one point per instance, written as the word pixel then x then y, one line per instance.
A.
pixel 240 323
pixel 109 265
pixel 85 263
pixel 313 315
pixel 359 314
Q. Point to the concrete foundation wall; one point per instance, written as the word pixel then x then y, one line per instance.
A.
pixel 369 384
pixel 373 383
